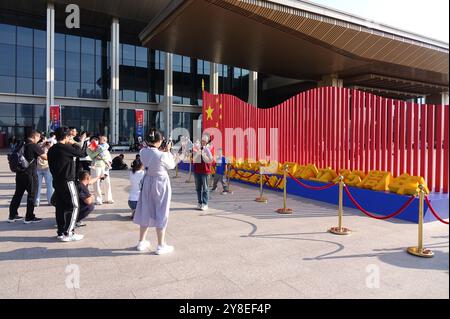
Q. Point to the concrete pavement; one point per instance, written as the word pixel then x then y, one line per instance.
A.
pixel 238 249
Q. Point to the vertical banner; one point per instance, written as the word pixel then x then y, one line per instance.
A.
pixel 139 122
pixel 55 117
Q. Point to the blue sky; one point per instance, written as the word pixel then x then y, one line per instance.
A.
pixel 426 17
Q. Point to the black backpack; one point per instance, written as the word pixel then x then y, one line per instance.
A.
pixel 17 161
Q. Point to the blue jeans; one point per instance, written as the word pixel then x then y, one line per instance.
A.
pixel 44 174
pixel 201 186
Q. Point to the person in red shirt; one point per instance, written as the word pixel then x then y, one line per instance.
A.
pixel 202 160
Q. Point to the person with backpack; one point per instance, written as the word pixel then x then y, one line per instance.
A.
pixel 23 162
pixel 62 163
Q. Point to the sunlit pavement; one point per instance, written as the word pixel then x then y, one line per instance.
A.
pixel 237 249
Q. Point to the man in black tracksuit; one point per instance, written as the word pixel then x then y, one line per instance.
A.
pixel 62 163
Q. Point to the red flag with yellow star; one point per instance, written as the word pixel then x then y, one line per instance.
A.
pixel 213 111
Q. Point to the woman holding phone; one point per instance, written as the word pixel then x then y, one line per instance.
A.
pixel 153 205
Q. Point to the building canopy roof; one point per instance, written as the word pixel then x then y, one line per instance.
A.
pixel 298 39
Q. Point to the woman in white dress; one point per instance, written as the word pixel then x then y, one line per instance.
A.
pixel 153 206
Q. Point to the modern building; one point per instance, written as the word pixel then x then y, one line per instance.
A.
pixel 154 54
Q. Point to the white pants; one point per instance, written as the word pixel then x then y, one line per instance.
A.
pixel 99 171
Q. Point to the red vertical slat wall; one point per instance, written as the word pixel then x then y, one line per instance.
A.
pixel 438 113
pixel 367 132
pixel 383 108
pixel 446 150
pixel 423 141
pixel 377 137
pixel 308 127
pixel 430 146
pixel 402 136
pixel 361 131
pixel 345 130
pixel 373 133
pixel 396 134
pixel 409 138
pixel 313 123
pixel 329 131
pixel 353 140
pixel 339 129
pixel 390 134
pixel 416 161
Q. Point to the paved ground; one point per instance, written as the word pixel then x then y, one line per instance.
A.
pixel 239 249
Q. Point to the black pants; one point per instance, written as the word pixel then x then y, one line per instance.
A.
pixel 24 182
pixel 85 211
pixel 66 201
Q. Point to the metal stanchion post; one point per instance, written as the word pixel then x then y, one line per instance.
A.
pixel 285 210
pixel 419 250
pixel 261 198
pixel 340 230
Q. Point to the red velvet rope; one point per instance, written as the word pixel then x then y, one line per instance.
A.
pixel 317 188
pixel 427 200
pixel 400 210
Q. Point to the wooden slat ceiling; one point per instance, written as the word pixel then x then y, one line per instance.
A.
pixel 349 39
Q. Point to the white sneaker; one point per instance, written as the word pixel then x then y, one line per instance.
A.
pixel 72 237
pixel 143 246
pixel 60 237
pixel 166 249
pixel 204 207
pixel 199 206
pixel 110 202
pixel 98 203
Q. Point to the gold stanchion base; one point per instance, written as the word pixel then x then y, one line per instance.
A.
pixel 261 199
pixel 424 252
pixel 340 231
pixel 285 211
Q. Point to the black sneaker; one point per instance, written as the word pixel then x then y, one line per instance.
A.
pixel 32 221
pixel 14 219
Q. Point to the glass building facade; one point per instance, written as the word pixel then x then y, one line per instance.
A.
pixel 82 76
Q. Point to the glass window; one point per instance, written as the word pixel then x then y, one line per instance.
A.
pixel 87 90
pixel 7 59
pixel 72 66
pixel 87 46
pixel 128 55
pixel 128 95
pixel 98 47
pixel 186 64
pixel 7 84
pixel 72 89
pixel 24 110
pixel 60 65
pixel 72 43
pixel 39 87
pixel 141 96
pixel 177 63
pixel 24 61
pixel 39 63
pixel 24 36
pixel 59 88
pixel 87 68
pixel 7 34
pixel 60 42
pixel 7 109
pixel 141 57
pixel 25 85
pixel 40 39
